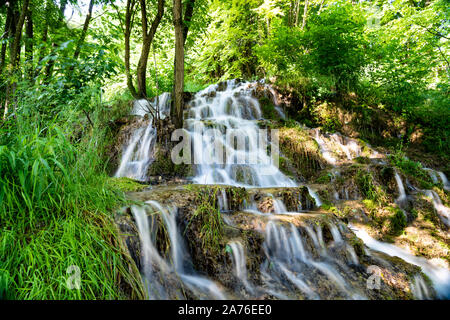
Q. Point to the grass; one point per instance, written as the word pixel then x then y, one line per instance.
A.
pixel 57 211
pixel 126 184
pixel 207 215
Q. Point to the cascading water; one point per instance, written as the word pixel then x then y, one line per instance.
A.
pixel 297 261
pixel 439 276
pixel 443 211
pixel 157 271
pixel 215 120
pixel 401 189
pixel 444 180
pixel 138 152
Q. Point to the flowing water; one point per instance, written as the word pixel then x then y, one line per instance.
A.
pixel 138 152
pixel 439 276
pixel 219 120
pixel 298 261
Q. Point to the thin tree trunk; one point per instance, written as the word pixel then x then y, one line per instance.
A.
pixel 146 43
pixel 321 6
pixel 29 45
pixel 129 17
pixel 84 31
pixel 187 18
pixel 179 64
pixel 14 54
pixel 6 34
pixel 51 63
pixel 297 12
pixel 305 14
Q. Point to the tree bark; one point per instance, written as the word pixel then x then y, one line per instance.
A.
pixel 84 31
pixel 179 64
pixel 305 13
pixel 129 17
pixel 14 55
pixel 147 40
pixel 6 34
pixel 187 18
pixel 29 44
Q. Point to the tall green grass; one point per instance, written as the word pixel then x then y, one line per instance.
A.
pixel 57 211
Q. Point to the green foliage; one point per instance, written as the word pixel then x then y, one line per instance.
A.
pixel 365 184
pixel 398 221
pixel 412 169
pixel 55 211
pixel 126 184
pixel 208 215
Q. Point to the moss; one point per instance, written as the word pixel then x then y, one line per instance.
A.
pixel 126 184
pixel 301 150
pixel 207 219
pixel 398 221
pixel 368 189
pixel 268 109
pixel 324 178
pixel 164 166
pixel 362 160
pixel 412 169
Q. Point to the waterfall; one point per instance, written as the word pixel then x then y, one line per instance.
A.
pixel 240 266
pixel 401 190
pixel 138 154
pixel 215 120
pixel 288 257
pixel 157 270
pixel 442 211
pixel 439 276
pixel 138 151
pixel 444 180
pixel 326 153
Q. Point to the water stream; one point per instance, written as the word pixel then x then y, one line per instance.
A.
pixel 296 259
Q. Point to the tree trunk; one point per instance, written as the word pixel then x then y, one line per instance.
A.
pixel 187 18
pixel 14 55
pixel 84 31
pixel 179 64
pixel 129 17
pixel 297 12
pixel 29 45
pixel 5 35
pixel 146 43
pixel 305 13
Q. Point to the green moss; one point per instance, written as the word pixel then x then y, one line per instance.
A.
pixel 325 178
pixel 398 221
pixel 207 219
pixel 126 184
pixel 368 189
pixel 412 169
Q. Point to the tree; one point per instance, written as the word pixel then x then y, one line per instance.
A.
pixel 147 38
pixel 14 56
pixel 179 64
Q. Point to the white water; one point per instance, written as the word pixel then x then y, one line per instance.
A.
pixel 138 152
pixel 439 276
pixel 240 265
pixel 326 153
pixel 401 190
pixel 286 253
pixel 443 211
pixel 156 268
pixel 216 119
pixel 444 180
